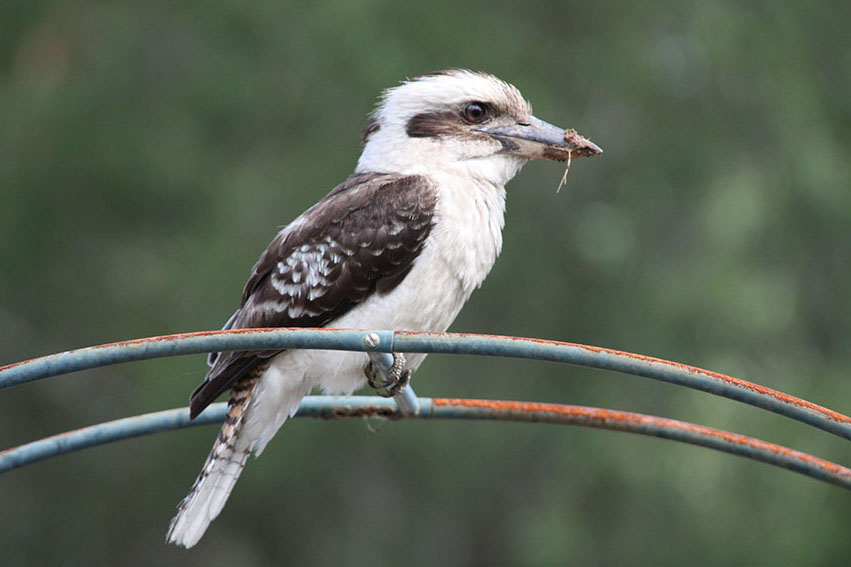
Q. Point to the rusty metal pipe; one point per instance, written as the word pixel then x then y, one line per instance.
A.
pixel 340 407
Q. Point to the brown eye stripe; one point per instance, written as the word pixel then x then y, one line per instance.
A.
pixel 429 124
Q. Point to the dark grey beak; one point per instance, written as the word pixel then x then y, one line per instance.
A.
pixel 536 139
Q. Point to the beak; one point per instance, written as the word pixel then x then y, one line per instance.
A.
pixel 536 139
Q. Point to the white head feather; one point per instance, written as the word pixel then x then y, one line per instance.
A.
pixel 389 147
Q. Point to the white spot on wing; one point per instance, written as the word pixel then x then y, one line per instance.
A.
pixel 306 272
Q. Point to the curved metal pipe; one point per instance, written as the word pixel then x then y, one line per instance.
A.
pixel 338 407
pixel 450 343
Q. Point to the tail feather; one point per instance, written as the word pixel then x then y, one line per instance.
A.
pixel 217 478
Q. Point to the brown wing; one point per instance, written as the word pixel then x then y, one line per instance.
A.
pixel 361 238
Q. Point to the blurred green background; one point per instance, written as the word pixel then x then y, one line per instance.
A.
pixel 149 151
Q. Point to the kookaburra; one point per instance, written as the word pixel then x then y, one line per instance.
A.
pixel 400 244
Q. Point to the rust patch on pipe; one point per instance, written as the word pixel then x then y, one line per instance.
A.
pixel 612 417
pixel 738 382
pixel 371 411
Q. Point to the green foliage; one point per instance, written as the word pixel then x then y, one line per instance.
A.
pixel 148 151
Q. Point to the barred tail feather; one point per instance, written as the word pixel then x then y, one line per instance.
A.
pixel 221 470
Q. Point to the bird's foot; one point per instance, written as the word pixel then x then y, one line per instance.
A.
pixel 397 378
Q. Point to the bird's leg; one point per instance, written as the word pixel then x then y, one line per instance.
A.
pixel 397 377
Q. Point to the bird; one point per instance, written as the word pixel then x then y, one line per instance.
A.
pixel 400 244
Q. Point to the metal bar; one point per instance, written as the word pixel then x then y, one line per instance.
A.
pixel 629 363
pixel 334 407
pixel 685 432
pixel 450 343
pixel 407 401
pixel 192 343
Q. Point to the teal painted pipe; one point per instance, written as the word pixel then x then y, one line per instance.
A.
pixel 449 343
pixel 339 407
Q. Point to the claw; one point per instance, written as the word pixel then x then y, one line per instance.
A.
pixel 400 384
pixel 373 377
pixel 398 377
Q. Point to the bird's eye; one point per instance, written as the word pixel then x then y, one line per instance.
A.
pixel 475 112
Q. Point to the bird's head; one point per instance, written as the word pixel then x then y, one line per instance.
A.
pixel 461 121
